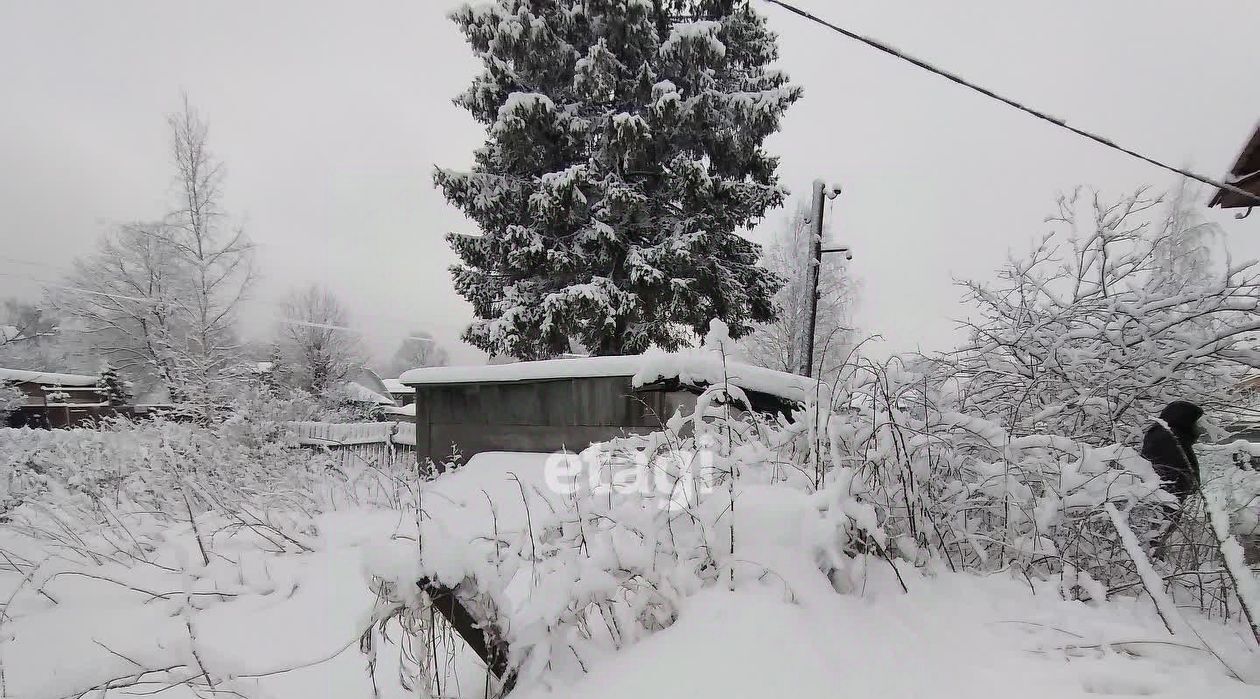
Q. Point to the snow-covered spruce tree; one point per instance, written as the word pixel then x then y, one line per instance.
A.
pixel 112 387
pixel 624 150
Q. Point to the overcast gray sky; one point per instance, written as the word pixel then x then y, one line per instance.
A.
pixel 330 117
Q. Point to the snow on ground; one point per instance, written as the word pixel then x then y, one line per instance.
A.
pixel 786 632
pixel 951 636
pixel 269 619
pixel 276 611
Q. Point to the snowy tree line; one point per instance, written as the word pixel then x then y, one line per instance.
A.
pixel 154 308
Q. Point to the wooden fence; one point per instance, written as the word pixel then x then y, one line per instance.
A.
pixel 379 444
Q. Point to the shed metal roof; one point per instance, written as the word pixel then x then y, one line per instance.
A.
pixel 698 368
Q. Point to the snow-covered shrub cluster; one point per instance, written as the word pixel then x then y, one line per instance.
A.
pixel 572 564
pixel 1231 474
pixel 249 461
pixel 964 490
pixel 604 551
pixel 1111 316
pixel 10 399
pixel 162 554
pixel 200 534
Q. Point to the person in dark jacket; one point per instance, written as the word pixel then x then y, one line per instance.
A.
pixel 1168 446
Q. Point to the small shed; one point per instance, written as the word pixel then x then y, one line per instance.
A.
pixel 568 404
pixel 1245 175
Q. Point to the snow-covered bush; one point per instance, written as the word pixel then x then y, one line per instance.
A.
pixel 148 555
pixel 249 464
pixel 963 489
pixel 1230 474
pixel 147 465
pixel 10 399
pixel 1109 318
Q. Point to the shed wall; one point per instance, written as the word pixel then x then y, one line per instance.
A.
pixel 537 416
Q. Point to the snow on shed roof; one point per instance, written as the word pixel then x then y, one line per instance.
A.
pixel 696 368
pixel 47 377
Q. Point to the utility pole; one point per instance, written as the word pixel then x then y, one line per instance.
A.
pixel 821 194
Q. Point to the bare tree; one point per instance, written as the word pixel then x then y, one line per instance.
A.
pixel 217 257
pixel 1094 331
pixel 162 297
pixel 780 344
pixel 124 300
pixel 318 345
pixel 418 349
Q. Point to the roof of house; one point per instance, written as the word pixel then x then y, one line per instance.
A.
pixel 396 386
pixel 1245 174
pixel 697 368
pixel 46 378
pixel 358 393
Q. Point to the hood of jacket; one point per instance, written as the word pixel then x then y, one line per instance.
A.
pixel 1181 417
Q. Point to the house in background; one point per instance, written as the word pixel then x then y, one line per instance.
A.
pixel 1245 175
pixel 364 388
pixel 400 392
pixel 55 400
pixel 353 392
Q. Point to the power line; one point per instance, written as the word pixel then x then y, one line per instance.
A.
pixel 880 46
pixel 346 329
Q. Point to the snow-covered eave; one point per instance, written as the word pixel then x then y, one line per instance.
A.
pixel 46 378
pixel 358 393
pixel 396 386
pixel 697 368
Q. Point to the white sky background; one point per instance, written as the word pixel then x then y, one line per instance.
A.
pixel 331 116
